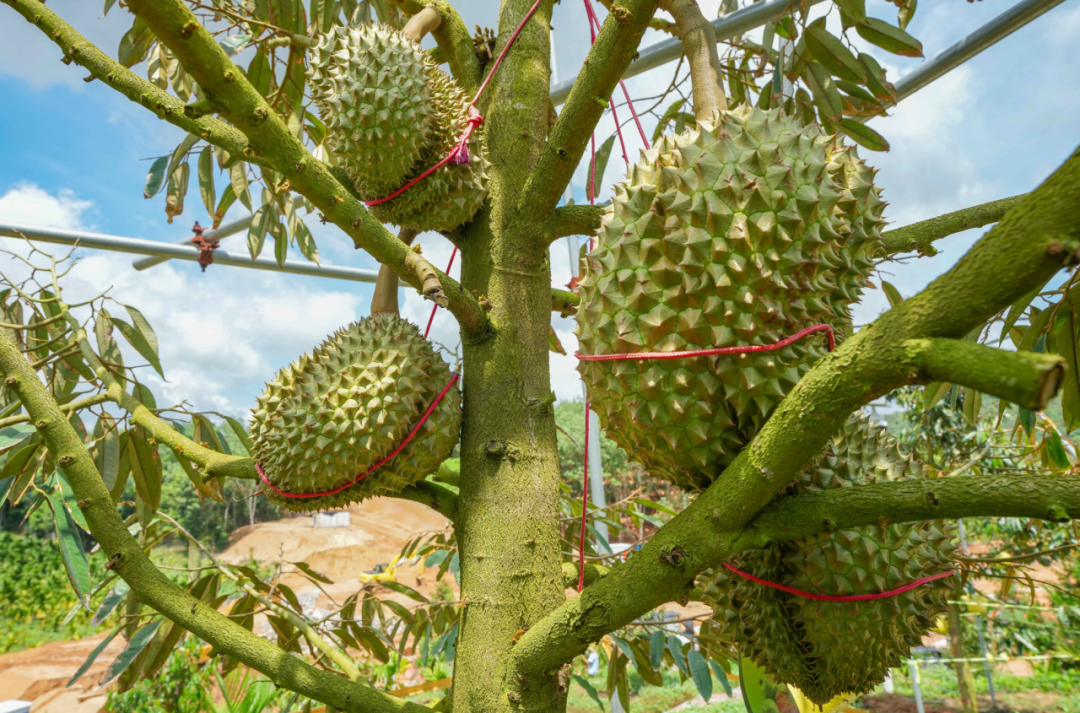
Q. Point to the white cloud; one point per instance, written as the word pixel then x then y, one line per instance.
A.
pixel 222 333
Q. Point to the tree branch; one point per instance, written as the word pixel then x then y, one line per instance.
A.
pixel 1045 497
pixel 574 220
pixel 67 408
pixel 128 560
pixel 919 237
pixel 385 296
pixel 566 303
pixel 226 84
pixel 454 40
pixel 1031 243
pixel 593 574
pixel 607 61
pixel 699 45
pixel 1024 378
pixel 109 71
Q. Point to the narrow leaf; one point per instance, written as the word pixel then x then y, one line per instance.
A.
pixel 155 177
pixel 109 604
pixel 891 293
pixel 831 52
pixel 136 339
pixel 699 671
pixel 135 646
pixel 597 168
pixel 71 548
pixel 241 433
pixel 934 392
pixel 863 135
pixel 656 649
pixel 239 181
pixel 584 683
pixel 70 503
pixel 889 38
pixel 97 649
pixel 206 180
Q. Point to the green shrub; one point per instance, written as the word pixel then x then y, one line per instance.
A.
pixel 181 686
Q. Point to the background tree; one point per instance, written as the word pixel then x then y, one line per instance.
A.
pixel 517 631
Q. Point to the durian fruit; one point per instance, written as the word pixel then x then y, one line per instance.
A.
pixel 335 413
pixel 370 84
pixel 453 194
pixel 830 648
pixel 739 232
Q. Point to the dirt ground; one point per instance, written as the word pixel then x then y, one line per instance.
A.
pixel 40 674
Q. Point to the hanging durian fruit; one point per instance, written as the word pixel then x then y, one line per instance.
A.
pixel 330 416
pixel 739 232
pixel 390 114
pixel 830 648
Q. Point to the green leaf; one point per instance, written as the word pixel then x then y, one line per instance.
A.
pixel 156 69
pixel 206 180
pixel 306 569
pixel 180 153
pixel 889 38
pixel 135 43
pixel 13 435
pixel 71 548
pixel 597 168
pixel 70 502
pixel 259 73
pixel 584 683
pixel 1027 420
pixel 831 52
pixel 826 96
pixel 675 646
pixel 176 191
pixel 752 683
pixel 972 405
pixel 235 43
pixel 239 181
pixel 1055 449
pixel 856 91
pixel 241 433
pixel 1018 307
pixel 136 339
pixel 643 664
pixel 281 242
pixel 1070 383
pixel 891 293
pixel 699 671
pixel 155 177
pixel 305 241
pixel 875 80
pixel 656 649
pixel 145 468
pixel 112 634
pixel 109 604
pixel 855 9
pixel 667 118
pixel 863 135
pixel 403 589
pixel 934 392
pixel 135 646
pixel 906 12
pixel 256 237
pixel 108 6
pixel 721 676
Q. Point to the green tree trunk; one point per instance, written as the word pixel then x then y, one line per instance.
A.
pixel 965 681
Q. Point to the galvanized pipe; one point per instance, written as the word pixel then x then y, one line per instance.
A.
pixel 137 246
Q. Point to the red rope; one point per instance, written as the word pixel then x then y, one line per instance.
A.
pixel 850 598
pixel 649 356
pixel 436 307
pixel 459 155
pixel 357 479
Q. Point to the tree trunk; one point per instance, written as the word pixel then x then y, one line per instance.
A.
pixel 964 679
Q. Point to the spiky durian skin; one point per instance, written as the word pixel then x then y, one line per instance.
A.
pixel 830 648
pixel 332 415
pixel 740 232
pixel 451 195
pixel 369 82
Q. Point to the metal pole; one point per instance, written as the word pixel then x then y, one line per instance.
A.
pixel 914 666
pixel 77 238
pixel 727 27
pixel 986 662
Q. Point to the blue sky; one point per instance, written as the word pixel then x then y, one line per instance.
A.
pixel 70 157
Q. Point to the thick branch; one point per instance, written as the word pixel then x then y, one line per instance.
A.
pixel 919 237
pixel 226 84
pixel 453 38
pixel 699 45
pixel 563 302
pixel 127 559
pixel 1031 243
pixel 607 61
pixel 1044 497
pixel 1024 378
pixel 109 71
pixel 67 408
pixel 574 220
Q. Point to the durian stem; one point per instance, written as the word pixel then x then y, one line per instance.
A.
pixel 1024 378
pixel 593 573
pixel 699 45
pixel 430 284
pixel 176 26
pixel 438 497
pixel 107 70
pixel 574 220
pixel 1034 241
pixel 1042 497
pixel 385 296
pixel 919 237
pixel 564 302
pixel 422 23
pixel 614 49
pixel 128 560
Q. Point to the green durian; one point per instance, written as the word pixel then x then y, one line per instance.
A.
pixel 333 414
pixel 739 232
pixel 370 84
pixel 830 648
